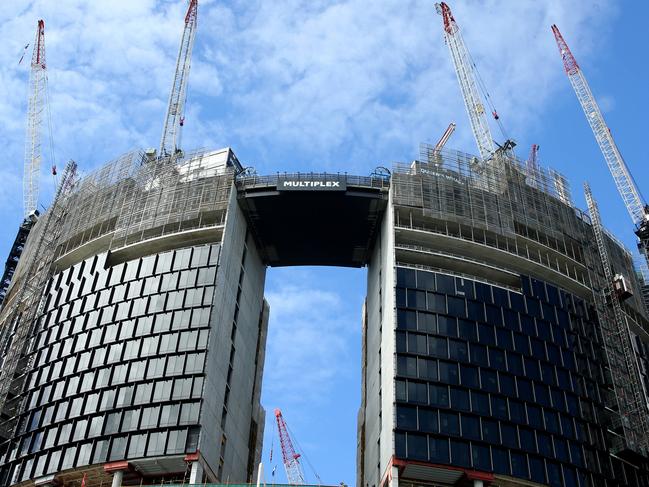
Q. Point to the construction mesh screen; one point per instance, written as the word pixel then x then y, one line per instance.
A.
pixel 133 198
pixel 495 195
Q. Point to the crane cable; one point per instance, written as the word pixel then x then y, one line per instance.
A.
pixel 50 132
pixel 485 93
pixel 303 453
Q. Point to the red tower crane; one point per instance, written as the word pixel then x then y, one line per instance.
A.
pixel 626 186
pixel 175 118
pixel 290 457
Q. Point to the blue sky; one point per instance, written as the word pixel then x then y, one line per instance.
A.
pixel 324 85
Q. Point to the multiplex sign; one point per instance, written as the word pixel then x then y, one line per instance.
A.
pixel 305 183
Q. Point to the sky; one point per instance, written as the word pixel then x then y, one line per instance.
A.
pixel 319 85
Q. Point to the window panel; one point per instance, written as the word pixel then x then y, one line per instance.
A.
pixel 439 450
pixel 417 446
pixel 137 445
pixel 406 417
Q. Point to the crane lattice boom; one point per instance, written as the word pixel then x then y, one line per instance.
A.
pixel 619 170
pixel 468 83
pixel 35 107
pixel 445 136
pixel 290 457
pixel 170 142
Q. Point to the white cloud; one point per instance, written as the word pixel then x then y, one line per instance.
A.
pixel 350 82
pixel 311 337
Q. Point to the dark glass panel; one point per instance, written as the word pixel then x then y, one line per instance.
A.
pixel 447 326
pixel 439 395
pixel 460 453
pixel 481 457
pixel 489 380
pixel 417 446
pixel 428 421
pixel 456 307
pixel 480 403
pixel 519 465
pixel 406 277
pixel 470 427
pixel 406 417
pixel 490 431
pixel 449 423
pixel 448 372
pixel 469 376
pixel 460 399
pixel 400 445
pixel 439 451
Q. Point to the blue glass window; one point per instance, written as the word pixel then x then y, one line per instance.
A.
pixel 439 451
pixel 470 427
pixel 417 446
pixel 449 423
pixel 481 457
pixel 460 399
pixel 469 376
pixel 460 453
pixel 428 421
pixel 439 395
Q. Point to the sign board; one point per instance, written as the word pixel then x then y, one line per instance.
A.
pixel 333 182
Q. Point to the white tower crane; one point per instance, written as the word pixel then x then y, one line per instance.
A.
pixel 468 82
pixel 624 182
pixel 36 106
pixel 175 118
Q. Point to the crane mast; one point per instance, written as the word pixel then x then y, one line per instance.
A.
pixel 468 83
pixel 290 457
pixel 624 182
pixel 627 382
pixel 35 107
pixel 175 118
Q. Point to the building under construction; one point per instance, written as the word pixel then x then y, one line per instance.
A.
pixel 505 335
pixel 490 348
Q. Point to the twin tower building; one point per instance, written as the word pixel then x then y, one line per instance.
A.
pixel 485 357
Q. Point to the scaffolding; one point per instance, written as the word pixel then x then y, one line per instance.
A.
pixel 527 213
pixel 18 317
pixel 630 415
pixel 133 198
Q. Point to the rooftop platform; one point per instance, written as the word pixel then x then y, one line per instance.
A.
pixel 314 218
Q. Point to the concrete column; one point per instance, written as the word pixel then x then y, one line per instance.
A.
pixel 478 483
pixel 196 475
pixel 118 475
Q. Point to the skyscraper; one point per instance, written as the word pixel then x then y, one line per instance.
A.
pixel 488 353
pixel 145 356
pixel 489 357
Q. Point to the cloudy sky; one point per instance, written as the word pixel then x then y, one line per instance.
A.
pixel 322 85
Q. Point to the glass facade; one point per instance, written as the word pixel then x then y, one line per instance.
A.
pixel 502 381
pixel 118 372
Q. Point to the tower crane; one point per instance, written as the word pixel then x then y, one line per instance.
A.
pixel 635 205
pixel 470 85
pixel 36 106
pixel 290 457
pixel 175 117
pixel 532 161
pixel 444 138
